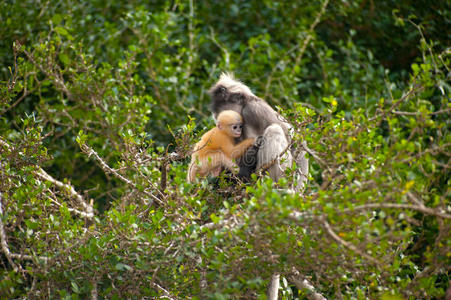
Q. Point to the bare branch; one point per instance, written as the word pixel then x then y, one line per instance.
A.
pixel 3 240
pixel 423 209
pixel 56 78
pixel 89 151
pixel 415 199
pixel 310 34
pixel 313 154
pixel 230 222
pixel 411 113
pixel 73 210
pixel 273 287
pixel 69 188
pixel 346 244
pixel 167 295
pixel 4 244
pixel 303 284
pixel 94 293
pixel 163 178
pixel 413 90
pixel 65 186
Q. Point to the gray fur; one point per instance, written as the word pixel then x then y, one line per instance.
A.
pixel 260 119
pixel 274 144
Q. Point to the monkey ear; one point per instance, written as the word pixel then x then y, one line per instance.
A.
pixel 219 125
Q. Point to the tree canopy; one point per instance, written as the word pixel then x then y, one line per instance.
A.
pixel 101 103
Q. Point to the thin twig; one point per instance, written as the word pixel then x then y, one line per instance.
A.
pixel 313 154
pixel 106 168
pixel 73 210
pixel 166 295
pixel 69 188
pixel 414 89
pixel 65 186
pixel 4 244
pixel 411 113
pixel 226 53
pixel 422 209
pixel 346 244
pixel 164 174
pixel 310 34
pixel 303 284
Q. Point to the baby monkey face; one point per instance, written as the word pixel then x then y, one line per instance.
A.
pixel 236 129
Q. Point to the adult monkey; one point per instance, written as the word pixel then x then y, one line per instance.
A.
pixel 261 121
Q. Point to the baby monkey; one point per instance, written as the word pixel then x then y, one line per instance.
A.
pixel 217 149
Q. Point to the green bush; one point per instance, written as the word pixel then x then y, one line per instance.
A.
pixel 101 102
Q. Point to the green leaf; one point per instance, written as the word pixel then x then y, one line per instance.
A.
pixel 56 19
pixel 122 267
pixel 75 287
pixel 64 58
pixel 61 31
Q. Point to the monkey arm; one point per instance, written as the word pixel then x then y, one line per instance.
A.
pixel 239 149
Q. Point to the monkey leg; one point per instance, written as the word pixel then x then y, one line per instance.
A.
pixel 211 164
pixel 274 143
pixel 192 171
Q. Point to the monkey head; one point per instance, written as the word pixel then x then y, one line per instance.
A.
pixel 231 122
pixel 228 94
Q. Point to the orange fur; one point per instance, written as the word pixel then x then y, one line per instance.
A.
pixel 217 148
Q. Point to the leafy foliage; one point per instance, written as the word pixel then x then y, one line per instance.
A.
pixel 101 102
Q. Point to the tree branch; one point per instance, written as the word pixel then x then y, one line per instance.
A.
pixel 346 244
pixel 65 186
pixel 303 284
pixel 310 35
pixel 423 209
pixel 4 245
pixel 69 188
pixel 89 151
pixel 313 154
pixel 273 287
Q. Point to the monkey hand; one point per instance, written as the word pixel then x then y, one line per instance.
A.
pixel 259 141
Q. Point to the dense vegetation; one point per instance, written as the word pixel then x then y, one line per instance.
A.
pixel 101 101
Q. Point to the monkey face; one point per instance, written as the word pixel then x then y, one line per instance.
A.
pixel 231 122
pixel 220 93
pixel 235 130
pixel 229 94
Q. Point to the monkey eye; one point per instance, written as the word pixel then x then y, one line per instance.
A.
pixel 221 89
pixel 237 126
